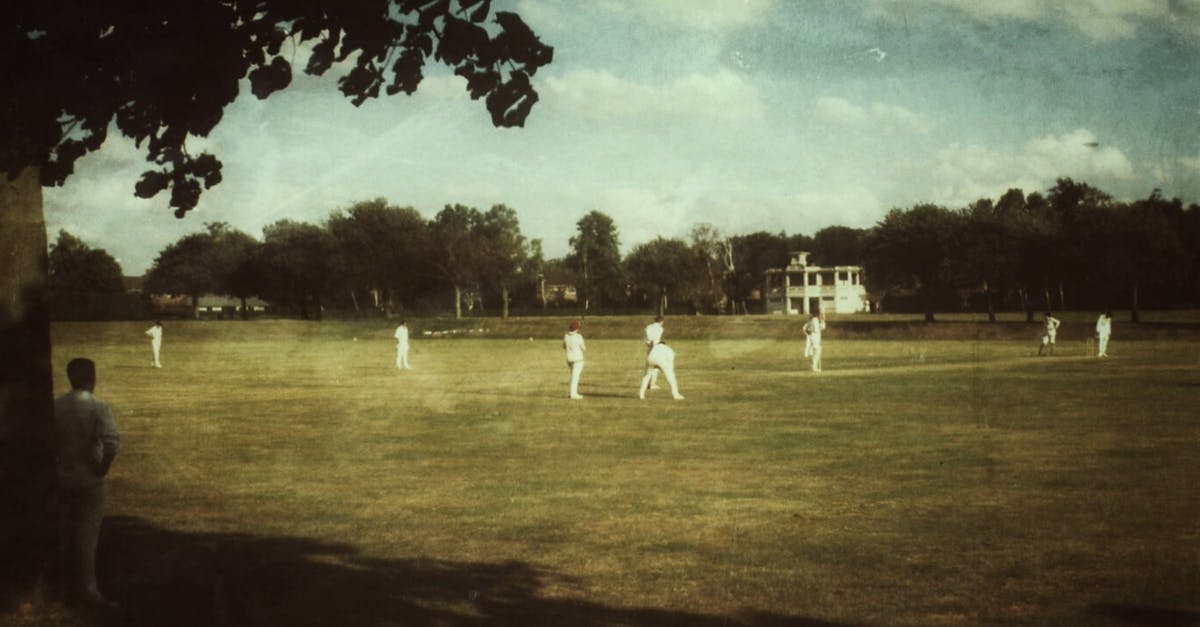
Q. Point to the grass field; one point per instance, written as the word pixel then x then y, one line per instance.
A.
pixel 284 473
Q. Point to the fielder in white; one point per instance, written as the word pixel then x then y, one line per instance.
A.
pixel 1050 335
pixel 654 335
pixel 661 357
pixel 401 336
pixel 1103 332
pixel 155 333
pixel 812 343
pixel 574 347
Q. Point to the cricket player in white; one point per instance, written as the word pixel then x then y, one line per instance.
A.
pixel 155 333
pixel 661 357
pixel 401 336
pixel 1049 336
pixel 812 344
pixel 1103 332
pixel 574 347
pixel 654 335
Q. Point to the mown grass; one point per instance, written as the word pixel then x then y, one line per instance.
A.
pixel 285 473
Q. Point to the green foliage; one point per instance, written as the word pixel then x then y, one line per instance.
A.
pixel 220 260
pixel 163 72
pixel 595 258
pixel 73 266
pixel 381 247
pixel 297 260
pixel 916 248
pixel 663 270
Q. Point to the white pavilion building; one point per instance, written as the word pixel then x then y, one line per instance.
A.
pixel 803 288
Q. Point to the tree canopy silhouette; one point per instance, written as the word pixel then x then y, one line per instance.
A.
pixel 165 71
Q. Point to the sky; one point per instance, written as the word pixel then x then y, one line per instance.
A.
pixel 777 115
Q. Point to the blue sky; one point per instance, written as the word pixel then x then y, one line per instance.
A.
pixel 747 114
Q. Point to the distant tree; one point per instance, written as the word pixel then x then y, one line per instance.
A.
pixel 1071 205
pixel 380 248
pixel 455 258
pixel 838 246
pixel 711 250
pixel 185 267
pixel 663 269
pixel 296 260
pixel 989 251
pixel 234 264
pixel 76 267
pixel 752 255
pixel 84 283
pixel 916 247
pixel 202 263
pixel 595 258
pixel 533 273
pixel 501 251
pixel 1134 250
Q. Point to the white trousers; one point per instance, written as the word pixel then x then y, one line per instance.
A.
pixel 1102 347
pixel 661 357
pixel 156 346
pixel 402 357
pixel 576 368
pixel 814 351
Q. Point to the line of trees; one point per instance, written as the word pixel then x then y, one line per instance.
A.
pixel 372 256
pixel 1073 247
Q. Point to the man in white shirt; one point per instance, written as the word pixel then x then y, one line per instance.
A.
pixel 812 345
pixel 573 346
pixel 1103 332
pixel 401 336
pixel 661 357
pixel 155 332
pixel 654 335
pixel 86 442
pixel 1050 335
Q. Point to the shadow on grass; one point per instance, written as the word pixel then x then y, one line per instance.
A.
pixel 164 577
pixel 1145 615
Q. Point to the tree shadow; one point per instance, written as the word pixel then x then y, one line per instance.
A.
pixel 167 577
pixel 1146 615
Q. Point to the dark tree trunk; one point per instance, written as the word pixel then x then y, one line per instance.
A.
pixel 245 309
pixel 504 302
pixel 457 302
pixel 27 529
pixel 1134 315
pixel 991 306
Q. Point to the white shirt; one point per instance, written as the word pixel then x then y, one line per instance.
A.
pixel 573 344
pixel 155 333
pixel 1104 325
pixel 654 333
pixel 1052 324
pixel 813 329
pixel 402 335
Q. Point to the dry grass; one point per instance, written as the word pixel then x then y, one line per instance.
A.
pixel 285 473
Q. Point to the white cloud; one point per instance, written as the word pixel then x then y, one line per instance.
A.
pixel 963 173
pixel 1027 10
pixel 876 116
pixel 706 15
pixel 1191 164
pixel 1101 20
pixel 601 94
